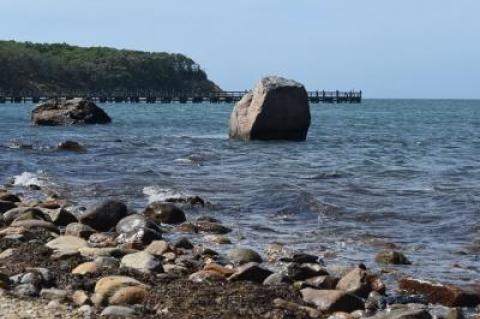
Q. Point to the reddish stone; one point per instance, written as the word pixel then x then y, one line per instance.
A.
pixel 444 294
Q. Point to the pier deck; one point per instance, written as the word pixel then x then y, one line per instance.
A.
pixel 170 97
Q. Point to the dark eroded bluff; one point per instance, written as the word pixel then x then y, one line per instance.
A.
pixel 66 112
pixel 276 109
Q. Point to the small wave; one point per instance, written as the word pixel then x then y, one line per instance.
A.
pixel 159 194
pixel 28 179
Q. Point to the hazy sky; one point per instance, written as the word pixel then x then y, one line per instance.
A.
pixel 388 48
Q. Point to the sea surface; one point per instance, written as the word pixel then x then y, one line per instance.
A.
pixel 403 172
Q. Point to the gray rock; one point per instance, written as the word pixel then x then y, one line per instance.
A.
pixel 250 272
pixel 157 247
pixel 276 109
pixel 118 312
pixel 105 216
pixel 36 224
pixel 61 217
pixel 183 242
pixel 66 245
pixel 25 290
pixel 332 300
pixel 141 236
pixel 66 112
pixel 355 282
pixel 276 279
pixel 164 213
pixel 142 261
pixel 79 230
pixel 296 271
pixel 53 294
pixel 134 222
pixel 211 227
pixel 242 256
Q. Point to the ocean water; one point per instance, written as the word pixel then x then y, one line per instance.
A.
pixel 386 171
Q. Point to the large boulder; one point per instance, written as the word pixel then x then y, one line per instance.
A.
pixel 105 216
pixel 276 109
pixel 66 112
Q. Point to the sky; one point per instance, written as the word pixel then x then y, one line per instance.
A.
pixel 387 48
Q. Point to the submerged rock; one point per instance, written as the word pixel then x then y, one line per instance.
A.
pixel 392 257
pixel 276 109
pixel 66 112
pixel 71 146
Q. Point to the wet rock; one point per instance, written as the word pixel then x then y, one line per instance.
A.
pixel 139 237
pixel 240 256
pixel 276 109
pixel 250 272
pixel 332 300
pixel 6 206
pixel 142 261
pixel 164 213
pixel 444 294
pixel 455 313
pixel 184 243
pixel 392 257
pixel 218 239
pixel 105 216
pixel 189 201
pixel 199 251
pixel 134 222
pixel 212 228
pixel 61 217
pixel 102 240
pixel 67 112
pixel 206 276
pixel 71 146
pixel 108 287
pixel 186 228
pixel 8 197
pixel 54 294
pixel 118 312
pixel 66 245
pixel 36 224
pixel 276 279
pixel 296 271
pixel 355 282
pixel 301 258
pixel 157 248
pixel 403 313
pixel 79 230
pixel 80 297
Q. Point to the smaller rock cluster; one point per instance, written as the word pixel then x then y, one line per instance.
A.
pixel 111 261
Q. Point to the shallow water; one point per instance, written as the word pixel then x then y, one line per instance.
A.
pixel 400 171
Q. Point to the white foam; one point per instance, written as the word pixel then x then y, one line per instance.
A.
pixel 27 179
pixel 159 194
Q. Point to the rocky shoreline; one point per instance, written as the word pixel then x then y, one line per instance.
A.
pixel 113 262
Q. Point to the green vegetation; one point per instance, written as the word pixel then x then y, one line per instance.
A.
pixel 62 67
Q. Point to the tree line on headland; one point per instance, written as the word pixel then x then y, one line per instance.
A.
pixel 32 67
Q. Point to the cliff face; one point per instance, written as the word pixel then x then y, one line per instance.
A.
pixel 62 67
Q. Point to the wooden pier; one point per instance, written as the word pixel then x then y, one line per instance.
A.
pixel 169 97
